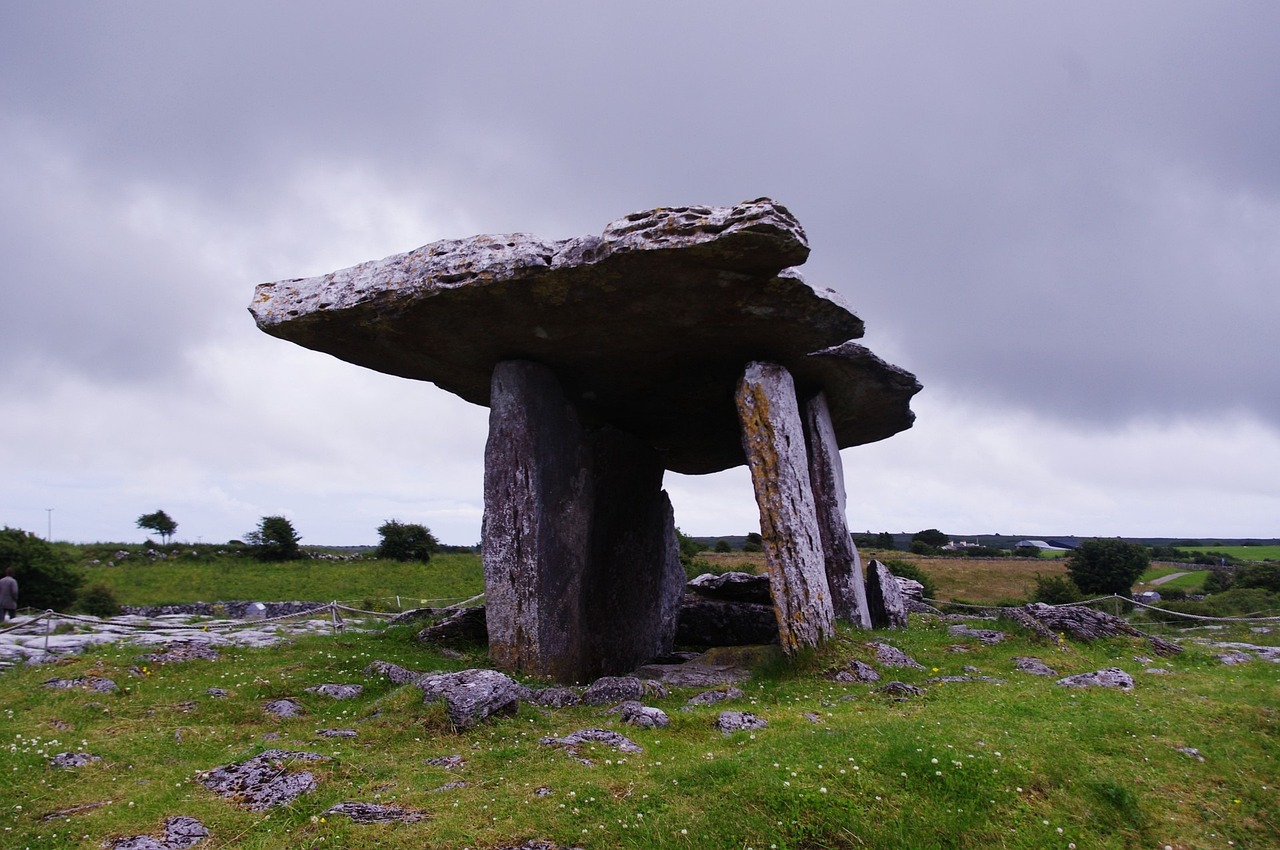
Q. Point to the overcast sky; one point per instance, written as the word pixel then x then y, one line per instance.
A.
pixel 1064 219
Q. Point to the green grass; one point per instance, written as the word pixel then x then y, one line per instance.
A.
pixel 137 581
pixel 1025 764
pixel 1243 553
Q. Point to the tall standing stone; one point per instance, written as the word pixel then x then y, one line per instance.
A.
pixel 581 562
pixel 826 474
pixel 884 595
pixel 773 439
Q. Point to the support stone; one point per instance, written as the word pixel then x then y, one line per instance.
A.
pixel 582 572
pixel 826 474
pixel 773 440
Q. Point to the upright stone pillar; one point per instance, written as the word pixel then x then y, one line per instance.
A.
pixel 581 562
pixel 773 439
pixel 826 474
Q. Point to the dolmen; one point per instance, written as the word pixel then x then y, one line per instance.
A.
pixel 681 339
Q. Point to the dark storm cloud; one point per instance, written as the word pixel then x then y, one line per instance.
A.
pixel 1075 203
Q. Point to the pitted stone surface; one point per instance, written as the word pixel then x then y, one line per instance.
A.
pixel 608 738
pixel 376 813
pixel 179 833
pixel 336 691
pixel 647 326
pixel 739 721
pixel 471 695
pixel 264 781
pixel 1108 677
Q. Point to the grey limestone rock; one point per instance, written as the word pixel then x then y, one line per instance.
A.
pixel 337 733
pixel 989 637
pixel 855 671
pixel 721 622
pixel 884 598
pixel 394 673
pixel 180 833
pixel 891 656
pixel 468 625
pixel 633 713
pixel 555 697
pixel 901 690
pixel 608 690
pixel 729 722
pixel 73 759
pixel 715 696
pixel 1108 677
pixel 1034 666
pixel 471 696
pixel 264 781
pixel 335 691
pixel 732 587
pixel 376 813
pixel 284 708
pixel 575 740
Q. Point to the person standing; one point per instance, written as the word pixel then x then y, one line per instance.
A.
pixel 8 595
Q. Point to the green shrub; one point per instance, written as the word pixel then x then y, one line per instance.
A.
pixel 98 600
pixel 906 569
pixel 1219 580
pixel 1107 566
pixel 1055 590
pixel 46 577
pixel 1265 576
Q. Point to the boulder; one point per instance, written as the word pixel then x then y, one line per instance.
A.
pixel 1108 677
pixel 609 690
pixel 884 598
pixel 729 722
pixel 337 691
pixel 394 673
pixel 891 656
pixel 471 696
pixel 267 780
pixel 732 587
pixel 633 713
pixel 1034 666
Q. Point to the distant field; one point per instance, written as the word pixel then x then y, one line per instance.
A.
pixel 1244 553
pixel 141 582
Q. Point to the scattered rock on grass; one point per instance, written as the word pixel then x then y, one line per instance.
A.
pixel 635 714
pixel 1034 666
pixel 739 721
pixel 179 833
pixel 572 742
pixel 1108 677
pixel 473 695
pixel 394 673
pixel 988 637
pixel 609 690
pixel 73 759
pixel 901 690
pixel 283 708
pixel 92 683
pixel 713 697
pixel 376 813
pixel 263 781
pixel 337 691
pixel 891 656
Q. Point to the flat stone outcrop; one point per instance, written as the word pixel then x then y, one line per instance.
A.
pixel 470 696
pixel 264 781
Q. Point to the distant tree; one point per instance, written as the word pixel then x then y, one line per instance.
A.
pixel 1265 576
pixel 884 540
pixel 1027 551
pixel 406 541
pixel 274 540
pixel 46 578
pixel 1107 566
pixel 931 537
pixel 159 522
pixel 754 543
pixel 723 546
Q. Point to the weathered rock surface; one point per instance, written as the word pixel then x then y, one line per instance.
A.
pixel 884 598
pixel 729 722
pixel 1034 666
pixel 826 475
pixel 732 587
pixel 574 741
pixel 647 326
pixel 608 690
pixel 582 571
pixel 284 708
pixel 713 697
pixel 1087 624
pixel 988 637
pixel 394 673
pixel 774 443
pixel 719 622
pixel 336 691
pixel 854 671
pixel 264 781
pixel 901 690
pixel 633 713
pixel 1108 677
pixel 179 833
pixel 376 813
pixel 891 656
pixel 470 696
pixel 73 759
pixel 97 684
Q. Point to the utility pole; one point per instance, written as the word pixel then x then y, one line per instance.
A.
pixel 49 533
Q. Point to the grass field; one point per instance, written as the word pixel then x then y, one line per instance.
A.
pixel 1022 764
pixel 445 579
pixel 1243 553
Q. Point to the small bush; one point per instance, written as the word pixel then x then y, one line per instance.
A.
pixel 98 600
pixel 1219 581
pixel 1055 590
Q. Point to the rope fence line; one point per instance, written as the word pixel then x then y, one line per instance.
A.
pixel 333 609
pixel 1267 619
